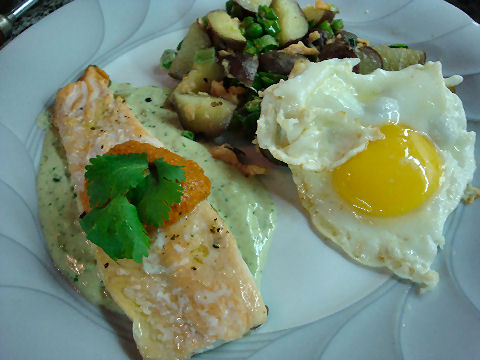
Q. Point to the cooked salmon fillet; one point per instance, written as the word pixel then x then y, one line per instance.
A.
pixel 194 290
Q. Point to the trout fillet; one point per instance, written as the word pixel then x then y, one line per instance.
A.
pixel 193 290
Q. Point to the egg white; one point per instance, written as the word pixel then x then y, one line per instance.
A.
pixel 326 114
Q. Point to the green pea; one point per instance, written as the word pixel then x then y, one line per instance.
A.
pixel 254 31
pixel 248 21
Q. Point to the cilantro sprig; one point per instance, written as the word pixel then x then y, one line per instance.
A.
pixel 158 193
pixel 126 193
pixel 117 229
pixel 111 175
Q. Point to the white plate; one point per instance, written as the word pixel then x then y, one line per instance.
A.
pixel 322 305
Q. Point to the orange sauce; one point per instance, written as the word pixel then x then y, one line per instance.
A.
pixel 196 186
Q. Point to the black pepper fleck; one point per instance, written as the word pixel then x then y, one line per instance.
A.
pixel 216 246
pixel 82 215
pixel 194 268
pixel 105 265
pixel 148 99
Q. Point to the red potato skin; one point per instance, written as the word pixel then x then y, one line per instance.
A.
pixel 242 66
pixel 278 62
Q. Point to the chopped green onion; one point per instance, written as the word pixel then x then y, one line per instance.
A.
pixel 251 48
pixel 254 31
pixel 188 134
pixel 231 82
pixel 271 78
pixel 204 56
pixel 337 24
pixel 229 5
pixel 311 24
pixel 253 105
pixel 233 9
pixel 398 46
pixel 257 83
pixel 167 58
pixel 265 43
pixel 267 13
pixel 249 123
pixel 274 76
pixel 268 19
pixel 271 27
pixel 179 45
pixel 325 25
pixel 351 40
pixel 205 21
pixel 265 79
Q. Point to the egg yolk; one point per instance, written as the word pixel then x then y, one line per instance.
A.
pixel 391 176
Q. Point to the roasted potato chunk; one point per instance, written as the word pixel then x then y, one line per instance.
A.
pixel 196 38
pixel 252 5
pixel 370 59
pixel 318 15
pixel 291 19
pixel 399 58
pixel 278 62
pixel 225 31
pixel 200 78
pixel 340 49
pixel 203 114
pixel 242 66
pixel 318 38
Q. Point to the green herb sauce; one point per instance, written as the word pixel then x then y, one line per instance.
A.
pixel 244 204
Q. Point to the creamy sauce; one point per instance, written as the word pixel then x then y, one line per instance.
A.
pixel 244 204
pixel 58 209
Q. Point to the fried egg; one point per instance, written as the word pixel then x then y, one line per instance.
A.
pixel 379 160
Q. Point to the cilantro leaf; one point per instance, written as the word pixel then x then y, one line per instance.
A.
pixel 117 229
pixel 112 175
pixel 157 194
pixel 158 198
pixel 169 172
